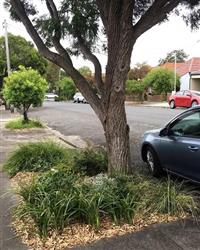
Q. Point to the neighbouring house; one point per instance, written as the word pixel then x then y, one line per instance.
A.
pixel 189 73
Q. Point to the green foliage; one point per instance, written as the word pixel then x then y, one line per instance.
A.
pixel 67 88
pixel 22 52
pixel 56 199
pixel 134 87
pixel 90 161
pixel 42 156
pixel 181 56
pixel 52 76
pixel 20 124
pixel 161 80
pixel 24 88
pixel 37 157
pixel 85 71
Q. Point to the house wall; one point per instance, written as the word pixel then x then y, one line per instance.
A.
pixel 195 84
pixel 185 82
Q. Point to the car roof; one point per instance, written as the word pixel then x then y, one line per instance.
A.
pixel 195 108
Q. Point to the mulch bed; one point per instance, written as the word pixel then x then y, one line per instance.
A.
pixel 76 234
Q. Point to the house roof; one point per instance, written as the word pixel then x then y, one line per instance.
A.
pixel 170 65
pixel 190 66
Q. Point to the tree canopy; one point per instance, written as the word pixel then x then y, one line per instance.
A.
pixel 82 23
pixel 180 55
pixel 24 88
pixel 22 52
pixel 161 80
pixel 139 71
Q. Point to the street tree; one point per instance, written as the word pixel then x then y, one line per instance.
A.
pixel 180 55
pixel 24 88
pixel 22 52
pixel 161 80
pixel 124 21
pixel 139 71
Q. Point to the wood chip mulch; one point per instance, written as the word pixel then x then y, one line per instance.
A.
pixel 76 234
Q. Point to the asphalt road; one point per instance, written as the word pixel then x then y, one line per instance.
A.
pixel 79 119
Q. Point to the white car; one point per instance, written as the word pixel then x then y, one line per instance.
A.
pixel 50 96
pixel 78 97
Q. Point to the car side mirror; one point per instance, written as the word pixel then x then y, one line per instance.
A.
pixel 163 132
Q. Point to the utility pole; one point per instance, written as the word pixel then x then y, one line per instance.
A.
pixel 5 25
pixel 175 72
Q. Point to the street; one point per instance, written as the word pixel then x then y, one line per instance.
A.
pixel 79 119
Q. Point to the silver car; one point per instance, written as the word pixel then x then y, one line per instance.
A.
pixel 176 147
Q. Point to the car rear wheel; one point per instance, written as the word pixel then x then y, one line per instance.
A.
pixel 172 104
pixel 153 162
pixel 194 103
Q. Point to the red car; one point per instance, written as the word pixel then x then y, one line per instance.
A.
pixel 184 98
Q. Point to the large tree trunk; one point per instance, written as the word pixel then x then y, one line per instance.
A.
pixel 117 140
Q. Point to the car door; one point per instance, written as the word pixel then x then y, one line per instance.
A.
pixel 179 98
pixel 186 101
pixel 179 150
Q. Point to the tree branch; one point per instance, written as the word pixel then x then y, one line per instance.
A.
pixel 151 16
pixel 57 36
pixel 91 57
pixel 58 59
pixel 85 50
pixel 104 7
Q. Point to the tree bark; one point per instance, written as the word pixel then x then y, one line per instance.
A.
pixel 117 140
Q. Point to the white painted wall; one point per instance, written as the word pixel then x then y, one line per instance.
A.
pixel 185 82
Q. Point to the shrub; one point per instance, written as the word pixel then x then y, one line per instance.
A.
pixel 20 124
pixel 59 198
pixel 161 80
pixel 90 161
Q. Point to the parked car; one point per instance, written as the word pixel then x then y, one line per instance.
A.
pixel 50 96
pixel 176 147
pixel 184 98
pixel 78 97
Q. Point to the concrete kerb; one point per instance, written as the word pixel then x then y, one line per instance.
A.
pixel 149 104
pixel 74 141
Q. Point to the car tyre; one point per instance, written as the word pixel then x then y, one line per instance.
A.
pixel 194 103
pixel 153 162
pixel 172 104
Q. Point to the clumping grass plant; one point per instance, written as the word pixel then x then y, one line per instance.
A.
pixel 42 156
pixel 73 187
pixel 20 124
pixel 59 198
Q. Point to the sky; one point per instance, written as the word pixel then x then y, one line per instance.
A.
pixel 149 48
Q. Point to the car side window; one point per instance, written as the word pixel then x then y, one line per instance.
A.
pixel 187 126
pixel 179 93
pixel 187 93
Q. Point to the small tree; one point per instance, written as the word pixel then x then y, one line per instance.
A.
pixel 66 88
pixel 24 88
pixel 161 80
